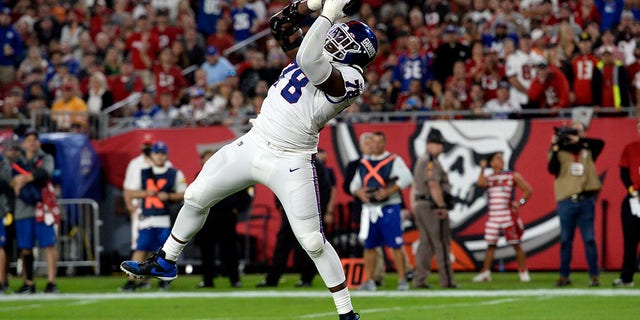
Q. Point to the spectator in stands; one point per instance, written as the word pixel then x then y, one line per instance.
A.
pixel 10 108
pixel 217 68
pixel 610 13
pixel 611 81
pixel 99 97
pixel 163 30
pixel 168 112
pixel 411 66
pixel 550 88
pixel 501 107
pixel 252 71
pixel 147 109
pixel 583 66
pixel 112 62
pixel 448 53
pixel 194 46
pixel 634 76
pixel 586 11
pixel 29 175
pixel 73 27
pixel 143 46
pixel 515 21
pixel 180 54
pixel 125 84
pixel 236 111
pixel 459 84
pixel 12 47
pixel 199 111
pixel 70 112
pixel 46 28
pixel 520 70
pixel 222 38
pixel 33 60
pixel 157 196
pixel 207 16
pixel 608 41
pixel 626 39
pixel 244 20
pixel 168 76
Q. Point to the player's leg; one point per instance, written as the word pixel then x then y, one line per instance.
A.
pixel 299 196
pixel 491 232
pixel 226 172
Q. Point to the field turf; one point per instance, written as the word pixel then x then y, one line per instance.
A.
pixel 503 298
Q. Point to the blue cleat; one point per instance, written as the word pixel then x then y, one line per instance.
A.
pixel 155 266
pixel 350 316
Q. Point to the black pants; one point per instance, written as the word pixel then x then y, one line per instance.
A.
pixel 631 236
pixel 285 243
pixel 220 229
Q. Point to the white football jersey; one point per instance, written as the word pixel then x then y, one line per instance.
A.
pixel 522 65
pixel 294 111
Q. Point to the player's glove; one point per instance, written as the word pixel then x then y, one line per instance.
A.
pixel 352 7
pixel 314 5
pixel 332 9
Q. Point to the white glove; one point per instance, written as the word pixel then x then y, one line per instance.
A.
pixel 314 5
pixel 332 9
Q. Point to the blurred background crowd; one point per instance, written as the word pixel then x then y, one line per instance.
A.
pixel 69 65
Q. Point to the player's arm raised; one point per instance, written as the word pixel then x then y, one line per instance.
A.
pixel 313 63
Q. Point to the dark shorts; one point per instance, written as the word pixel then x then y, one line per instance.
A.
pixel 151 239
pixel 28 231
pixel 387 230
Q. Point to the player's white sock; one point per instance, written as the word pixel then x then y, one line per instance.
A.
pixel 342 301
pixel 189 221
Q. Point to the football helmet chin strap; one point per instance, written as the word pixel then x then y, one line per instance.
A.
pixel 313 63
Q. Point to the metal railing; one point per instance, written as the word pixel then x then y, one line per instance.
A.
pixel 78 237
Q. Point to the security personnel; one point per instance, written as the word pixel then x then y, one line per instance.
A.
pixel 572 161
pixel 157 186
pixel 378 183
pixel 431 207
pixel 630 175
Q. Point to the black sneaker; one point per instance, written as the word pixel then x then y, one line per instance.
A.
pixel 130 286
pixel 350 316
pixel 155 266
pixel 4 288
pixel 27 289
pixel 563 282
pixel 51 288
pixel 204 284
pixel 164 285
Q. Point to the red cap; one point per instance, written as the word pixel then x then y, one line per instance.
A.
pixel 148 138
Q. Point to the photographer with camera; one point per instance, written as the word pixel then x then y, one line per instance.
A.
pixel 377 183
pixel 432 202
pixel 572 161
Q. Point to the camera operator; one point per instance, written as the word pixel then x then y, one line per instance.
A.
pixel 572 161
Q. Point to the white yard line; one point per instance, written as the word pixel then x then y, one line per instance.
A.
pixel 320 294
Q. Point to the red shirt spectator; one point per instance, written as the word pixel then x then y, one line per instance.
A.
pixel 221 39
pixel 165 33
pixel 125 83
pixel 550 87
pixel 168 77
pixel 143 45
pixel 583 66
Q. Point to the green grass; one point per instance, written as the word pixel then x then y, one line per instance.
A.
pixel 503 298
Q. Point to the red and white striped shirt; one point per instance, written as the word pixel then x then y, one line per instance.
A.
pixel 500 188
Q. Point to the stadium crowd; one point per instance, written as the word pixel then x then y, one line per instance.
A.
pixel 197 63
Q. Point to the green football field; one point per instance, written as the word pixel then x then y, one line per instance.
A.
pixel 503 298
